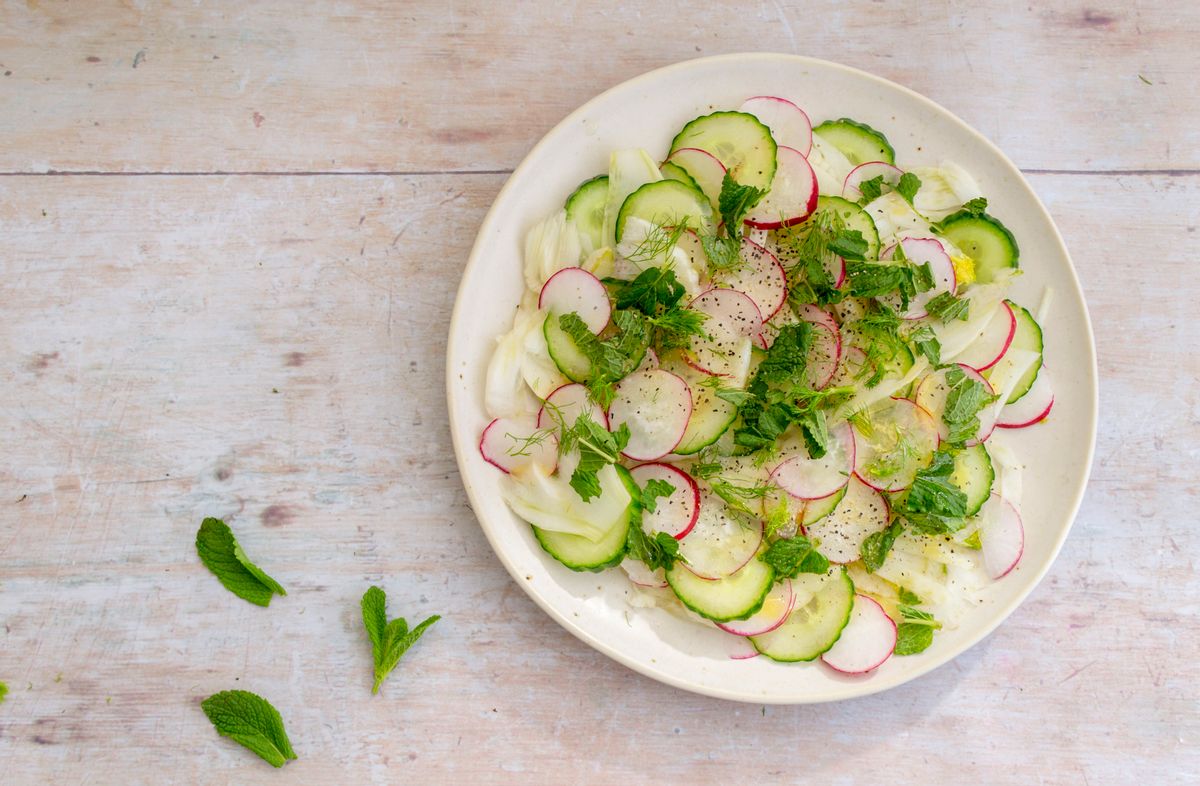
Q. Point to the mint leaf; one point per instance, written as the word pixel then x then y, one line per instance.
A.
pixel 926 343
pixel 908 596
pixel 734 202
pixel 787 357
pixel 597 448
pixel 967 397
pixel 653 288
pixel 878 545
pixel 871 189
pixel 221 554
pixel 932 492
pixel 972 541
pixel 974 207
pixel 251 721
pixel 654 489
pixel 908 186
pixel 947 307
pixel 912 639
pixel 389 640
pixel 792 556
pixel 848 244
pixel 613 358
pixel 659 550
pixel 724 253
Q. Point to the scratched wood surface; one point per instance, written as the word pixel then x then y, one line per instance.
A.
pixel 230 236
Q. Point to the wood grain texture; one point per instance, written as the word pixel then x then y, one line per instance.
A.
pixel 270 349
pixel 418 86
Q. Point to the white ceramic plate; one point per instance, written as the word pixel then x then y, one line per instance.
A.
pixel 647 112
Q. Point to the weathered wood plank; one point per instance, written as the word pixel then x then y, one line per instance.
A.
pixel 148 322
pixel 419 86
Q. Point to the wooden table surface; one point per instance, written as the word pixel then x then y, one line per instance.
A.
pixel 230 237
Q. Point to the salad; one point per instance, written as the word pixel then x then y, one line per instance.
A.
pixel 768 376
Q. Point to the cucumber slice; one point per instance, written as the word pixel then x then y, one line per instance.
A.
pixel 667 203
pixel 738 140
pixel 985 240
pixel 580 553
pixel 1028 336
pixel 585 207
pixel 857 141
pixel 813 626
pixel 735 597
pixel 628 170
pixel 817 509
pixel 574 365
pixel 711 415
pixel 673 171
pixel 854 217
pixel 973 474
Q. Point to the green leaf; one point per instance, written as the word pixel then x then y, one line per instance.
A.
pixel 972 541
pixel 788 356
pixel 926 343
pixel 815 431
pixel 871 280
pixel 654 489
pixel 966 398
pixel 597 448
pixel 221 554
pixel 3 692
pixel 918 617
pixel 734 202
pixel 878 545
pixel 675 327
pixel 613 358
pixel 778 517
pixel 654 288
pixel 933 493
pixel 792 556
pixel 908 596
pixel 849 243
pixel 908 186
pixel 947 307
pixel 912 639
pixel 251 721
pixel 723 253
pixel 871 189
pixel 974 207
pixel 389 640
pixel 656 551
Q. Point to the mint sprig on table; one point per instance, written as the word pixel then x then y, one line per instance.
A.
pixel 389 640
pixel 221 554
pixel 251 721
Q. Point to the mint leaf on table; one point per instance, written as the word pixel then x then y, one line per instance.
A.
pixel 792 556
pixel 221 554
pixel 389 640
pixel 251 721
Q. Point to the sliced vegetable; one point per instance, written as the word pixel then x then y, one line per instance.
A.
pixel 789 125
pixel 823 607
pixel 841 534
pixel 867 640
pixel 573 290
pixel 513 444
pixel 655 406
pixel 586 208
pixel 857 141
pixel 740 141
pixel 793 194
pixel 674 513
pixel 703 167
pixel 666 203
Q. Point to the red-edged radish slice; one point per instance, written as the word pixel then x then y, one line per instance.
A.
pixel 920 251
pixel 931 396
pixel 824 354
pixel 793 194
pixel 788 123
pixel 574 290
pixel 513 445
pixel 860 514
pixel 656 406
pixel 817 316
pixel 775 610
pixel 733 320
pixel 760 277
pixel 649 360
pixel 719 544
pixel 676 513
pixel 564 406
pixel 741 649
pixel 867 171
pixel 1001 536
pixel 900 441
pixel 852 368
pixel 705 169
pixel 641 575
pixel 867 640
pixel 808 478
pixel 986 351
pixel 1033 407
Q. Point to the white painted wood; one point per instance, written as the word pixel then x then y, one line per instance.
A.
pixel 148 320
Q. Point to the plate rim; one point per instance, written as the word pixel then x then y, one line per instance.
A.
pixel 853 690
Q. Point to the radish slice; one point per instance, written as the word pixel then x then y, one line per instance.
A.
pixel 742 648
pixel 860 514
pixel 1001 536
pixel 574 290
pixel 986 351
pixel 852 368
pixel 564 406
pixel 808 478
pixel 656 406
pixel 641 575
pixel 931 396
pixel 1031 408
pixel 788 123
pixel 761 278
pixel 676 513
pixel 863 172
pixel 733 320
pixel 793 194
pixel 719 544
pixel 867 640
pixel 920 251
pixel 705 169
pixel 901 438
pixel 824 354
pixel 817 316
pixel 775 610
pixel 513 445
pixel 649 360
